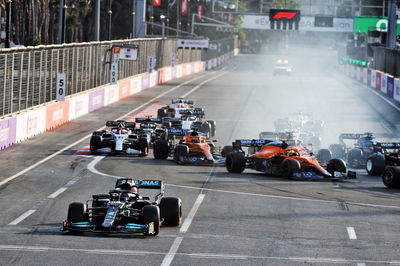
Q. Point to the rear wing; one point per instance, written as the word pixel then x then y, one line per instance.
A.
pixel 120 124
pixel 174 101
pixel 178 131
pixel 148 120
pixel 250 143
pixel 344 136
pixel 389 145
pixel 195 112
pixel 149 184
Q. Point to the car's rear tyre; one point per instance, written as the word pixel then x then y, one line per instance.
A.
pixel 324 155
pixel 288 167
pixel 171 211
pixel 206 129
pixel 76 212
pixel 338 151
pixel 181 150
pixel 95 143
pixel 336 165
pixel 235 162
pixel 151 213
pixel 354 158
pixel 226 150
pixel 213 127
pixel 391 177
pixel 162 112
pixel 375 164
pixel 161 149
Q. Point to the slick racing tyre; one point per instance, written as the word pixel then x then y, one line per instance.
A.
pixel 336 165
pixel 181 150
pixel 143 146
pixel 95 143
pixel 206 129
pixel 391 177
pixel 151 213
pixel 162 112
pixel 354 158
pixel 235 162
pixel 161 149
pixel 288 167
pixel 226 150
pixel 338 151
pixel 171 211
pixel 376 164
pixel 324 155
pixel 213 127
pixel 76 212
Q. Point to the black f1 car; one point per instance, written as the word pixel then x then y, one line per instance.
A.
pixel 123 210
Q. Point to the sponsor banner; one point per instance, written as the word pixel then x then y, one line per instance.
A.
pixel 390 87
pixel 78 106
pixel 111 94
pixel 307 23
pixel 145 81
pixel 373 78
pixel 192 43
pixel 179 71
pixel 369 76
pixel 124 88
pixel 384 78
pixel 31 123
pixel 161 76
pixel 192 68
pixel 365 75
pixel 185 70
pixel 57 114
pixel 208 64
pixel 8 129
pixel 362 25
pixel 96 99
pixel 396 93
pixel 173 72
pixel 153 79
pixel 359 73
pixel 378 80
pixel 136 84
pixel 214 62
pixel 168 73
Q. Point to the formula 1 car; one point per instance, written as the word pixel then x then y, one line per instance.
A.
pixel 190 122
pixel 282 67
pixel 120 139
pixel 278 158
pixel 192 148
pixel 365 147
pixel 387 154
pixel 123 210
pixel 151 129
pixel 175 108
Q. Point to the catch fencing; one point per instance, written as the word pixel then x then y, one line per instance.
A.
pixel 387 60
pixel 28 75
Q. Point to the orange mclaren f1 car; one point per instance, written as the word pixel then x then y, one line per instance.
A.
pixel 192 147
pixel 278 158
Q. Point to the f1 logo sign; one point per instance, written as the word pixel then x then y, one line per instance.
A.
pixel 287 15
pixel 184 7
pixel 156 2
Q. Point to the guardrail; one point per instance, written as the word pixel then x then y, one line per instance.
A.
pixel 380 81
pixel 28 75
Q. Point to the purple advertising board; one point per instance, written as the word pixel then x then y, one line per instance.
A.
pixel 7 132
pixel 369 77
pixel 390 87
pixel 96 100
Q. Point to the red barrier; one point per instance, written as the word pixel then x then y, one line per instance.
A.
pixel 56 115
pixel 378 80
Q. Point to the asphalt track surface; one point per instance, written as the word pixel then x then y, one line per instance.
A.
pixel 229 219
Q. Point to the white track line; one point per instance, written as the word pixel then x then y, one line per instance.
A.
pixel 22 217
pixel 88 135
pixel 352 233
pixel 172 252
pixel 58 192
pixel 92 167
pixel 192 213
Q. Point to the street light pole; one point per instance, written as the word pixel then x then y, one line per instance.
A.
pixel 64 23
pixel 8 23
pixel 97 21
pixel 60 21
pixel 109 18
pixel 133 19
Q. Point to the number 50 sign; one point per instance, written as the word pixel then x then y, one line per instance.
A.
pixel 61 86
